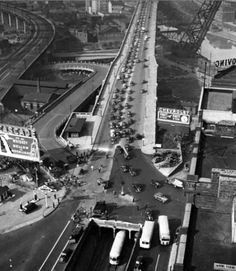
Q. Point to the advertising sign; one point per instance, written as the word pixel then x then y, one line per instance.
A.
pixel 19 142
pixel 224 63
pixel 173 115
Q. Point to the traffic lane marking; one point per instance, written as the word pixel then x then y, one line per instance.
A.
pixel 57 241
pixel 157 261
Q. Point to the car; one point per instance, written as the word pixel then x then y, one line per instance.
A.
pixel 29 207
pixel 156 184
pixel 137 188
pixel 125 168
pixel 120 149
pixel 138 266
pixel 101 181
pixel 132 172
pixel 160 197
pixel 100 209
pixel 127 156
pixel 128 147
pixel 176 182
pixel 149 214
pixel 75 235
pixel 65 255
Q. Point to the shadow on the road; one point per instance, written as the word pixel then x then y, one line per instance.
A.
pixel 174 224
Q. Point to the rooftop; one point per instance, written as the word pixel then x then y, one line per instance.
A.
pixel 75 125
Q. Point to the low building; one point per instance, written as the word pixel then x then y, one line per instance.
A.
pixel 74 128
pixel 81 35
pixel 34 101
pixel 217 108
pixel 4 193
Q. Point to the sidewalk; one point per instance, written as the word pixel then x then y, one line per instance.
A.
pixel 12 218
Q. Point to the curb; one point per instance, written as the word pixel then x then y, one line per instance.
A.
pixel 22 225
pixel 27 223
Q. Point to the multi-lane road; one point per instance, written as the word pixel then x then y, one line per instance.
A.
pixel 39 37
pixel 46 126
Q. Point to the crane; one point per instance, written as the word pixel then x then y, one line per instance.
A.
pixel 191 39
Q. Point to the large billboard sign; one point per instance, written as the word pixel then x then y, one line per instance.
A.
pixel 19 142
pixel 173 115
pixel 225 63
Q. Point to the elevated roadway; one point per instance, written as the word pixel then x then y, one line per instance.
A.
pixel 17 63
pixel 87 55
pixel 49 122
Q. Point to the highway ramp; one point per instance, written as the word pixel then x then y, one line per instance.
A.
pixel 47 125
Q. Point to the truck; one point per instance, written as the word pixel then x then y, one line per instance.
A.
pixel 164 231
pixel 147 232
pixel 176 182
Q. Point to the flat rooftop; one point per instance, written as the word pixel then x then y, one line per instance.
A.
pixel 211 231
pixel 219 99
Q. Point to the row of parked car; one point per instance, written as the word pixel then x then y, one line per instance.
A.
pixel 121 116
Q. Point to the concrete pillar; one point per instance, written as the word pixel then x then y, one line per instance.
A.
pixel 9 19
pixel 2 18
pixel 24 26
pixel 17 23
pixel 129 234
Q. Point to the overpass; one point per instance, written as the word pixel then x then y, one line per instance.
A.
pixel 118 225
pixel 86 55
pixel 41 36
pixel 57 113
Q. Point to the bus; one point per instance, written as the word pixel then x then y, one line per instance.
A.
pixel 117 248
pixel 147 232
pixel 164 231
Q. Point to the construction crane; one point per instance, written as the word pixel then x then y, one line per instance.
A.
pixel 192 38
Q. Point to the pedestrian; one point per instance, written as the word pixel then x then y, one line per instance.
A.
pixel 137 208
pixel 92 167
pixel 55 196
pixel 107 156
pixel 99 169
pixel 101 166
pixel 35 197
pixel 53 205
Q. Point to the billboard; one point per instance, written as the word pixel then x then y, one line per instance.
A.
pixel 225 63
pixel 19 142
pixel 173 115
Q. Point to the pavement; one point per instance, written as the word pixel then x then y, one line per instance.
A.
pixel 89 192
pixel 13 219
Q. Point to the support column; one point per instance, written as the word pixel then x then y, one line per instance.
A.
pixel 2 17
pixel 24 26
pixel 17 23
pixel 9 19
pixel 129 234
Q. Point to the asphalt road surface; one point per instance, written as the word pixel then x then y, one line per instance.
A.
pixel 27 248
pixel 95 252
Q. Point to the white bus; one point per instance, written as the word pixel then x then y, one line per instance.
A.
pixel 117 247
pixel 147 232
pixel 164 231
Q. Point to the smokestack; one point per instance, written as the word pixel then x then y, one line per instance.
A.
pixel 38 85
